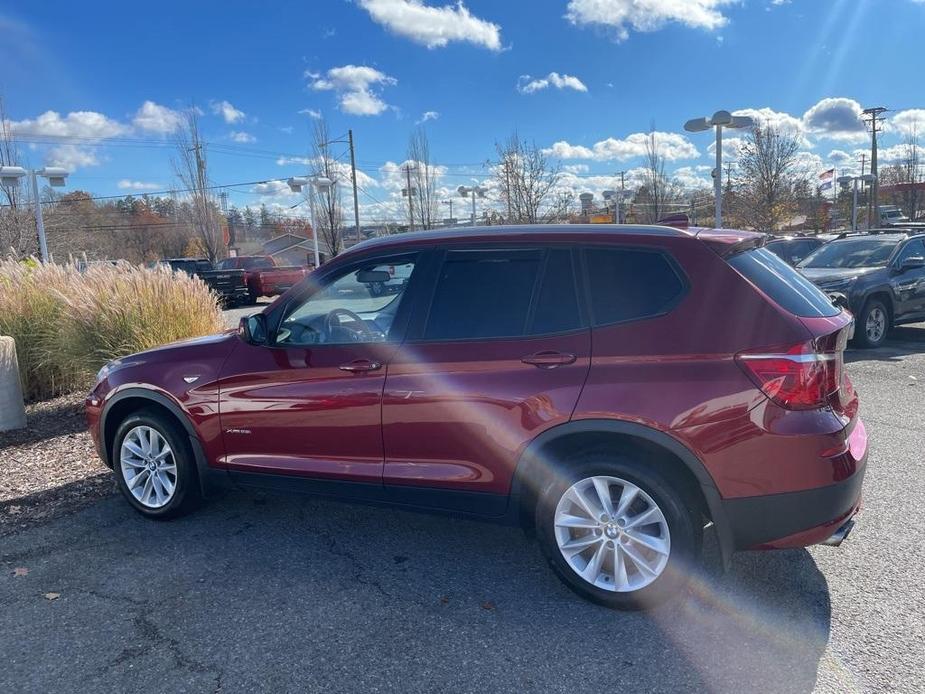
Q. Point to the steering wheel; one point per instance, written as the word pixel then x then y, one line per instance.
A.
pixel 332 323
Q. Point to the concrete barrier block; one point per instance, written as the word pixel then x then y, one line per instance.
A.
pixel 12 408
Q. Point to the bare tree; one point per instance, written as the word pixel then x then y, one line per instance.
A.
pixel 424 200
pixel 525 180
pixel 329 211
pixel 17 230
pixel 191 168
pixel 659 194
pixel 767 178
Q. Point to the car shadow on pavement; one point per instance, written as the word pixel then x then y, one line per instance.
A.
pixel 901 342
pixel 283 593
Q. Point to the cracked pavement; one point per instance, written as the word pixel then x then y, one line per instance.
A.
pixel 274 593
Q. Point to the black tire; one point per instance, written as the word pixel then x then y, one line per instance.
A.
pixel 862 338
pixel 680 513
pixel 187 494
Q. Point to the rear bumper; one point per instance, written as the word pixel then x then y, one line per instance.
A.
pixel 800 518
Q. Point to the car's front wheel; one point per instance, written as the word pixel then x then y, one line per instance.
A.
pixel 154 466
pixel 618 533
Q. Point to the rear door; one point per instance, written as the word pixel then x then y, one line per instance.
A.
pixel 500 355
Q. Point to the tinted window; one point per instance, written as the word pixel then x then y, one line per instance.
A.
pixel 784 285
pixel 793 251
pixel 557 304
pixel 626 284
pixel 914 249
pixel 852 253
pixel 257 264
pixel 483 294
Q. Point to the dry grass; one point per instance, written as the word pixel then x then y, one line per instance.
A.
pixel 68 323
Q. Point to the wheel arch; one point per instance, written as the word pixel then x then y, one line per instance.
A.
pixel 130 400
pixel 555 446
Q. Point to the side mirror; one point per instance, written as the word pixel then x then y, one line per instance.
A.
pixel 253 329
pixel 913 263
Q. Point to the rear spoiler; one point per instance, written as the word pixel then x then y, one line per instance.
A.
pixel 729 242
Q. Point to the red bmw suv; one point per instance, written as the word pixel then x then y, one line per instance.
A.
pixel 619 389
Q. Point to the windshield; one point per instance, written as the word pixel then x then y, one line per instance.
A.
pixel 852 254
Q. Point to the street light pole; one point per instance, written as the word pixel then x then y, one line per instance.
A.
pixel 719 120
pixel 315 182
pixel 845 180
pixel 474 191
pixel 10 175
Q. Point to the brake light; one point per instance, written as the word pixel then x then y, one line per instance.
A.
pixel 798 378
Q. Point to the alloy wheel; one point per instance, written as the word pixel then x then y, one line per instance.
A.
pixel 876 324
pixel 148 466
pixel 612 534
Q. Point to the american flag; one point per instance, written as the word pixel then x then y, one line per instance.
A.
pixel 827 178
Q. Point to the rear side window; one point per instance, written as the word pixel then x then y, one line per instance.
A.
pixel 627 284
pixel 785 286
pixel 494 294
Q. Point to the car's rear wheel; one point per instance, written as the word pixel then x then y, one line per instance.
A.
pixel 873 324
pixel 617 533
pixel 154 466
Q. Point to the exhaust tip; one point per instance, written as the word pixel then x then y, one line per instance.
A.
pixel 839 535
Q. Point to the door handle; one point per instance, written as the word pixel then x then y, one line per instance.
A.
pixel 549 359
pixel 360 366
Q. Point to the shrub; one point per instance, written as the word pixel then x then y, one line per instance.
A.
pixel 68 323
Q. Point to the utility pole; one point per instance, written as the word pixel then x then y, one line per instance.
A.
pixel 450 203
pixel 618 209
pixel 872 115
pixel 863 169
pixel 409 191
pixel 353 173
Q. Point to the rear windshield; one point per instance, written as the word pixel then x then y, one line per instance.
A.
pixel 257 264
pixel 784 285
pixel 851 254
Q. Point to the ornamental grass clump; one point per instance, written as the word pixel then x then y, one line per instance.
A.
pixel 68 323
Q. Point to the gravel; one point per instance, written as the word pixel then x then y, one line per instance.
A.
pixel 49 468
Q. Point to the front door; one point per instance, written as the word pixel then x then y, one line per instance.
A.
pixel 910 285
pixel 501 356
pixel 309 403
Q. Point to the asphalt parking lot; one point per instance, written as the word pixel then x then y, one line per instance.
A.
pixel 271 593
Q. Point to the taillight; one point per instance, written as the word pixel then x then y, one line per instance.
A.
pixel 798 378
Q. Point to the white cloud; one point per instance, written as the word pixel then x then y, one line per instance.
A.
pixel 900 153
pixel 908 122
pixel 840 157
pixel 71 157
pixel 576 168
pixel 353 85
pixel 693 177
pixel 310 112
pixel 808 164
pixel 731 147
pixel 433 27
pixel 426 116
pixel 836 119
pixel 341 170
pixel 241 136
pixel 157 119
pixel 671 146
pixel 77 124
pixel 647 15
pixel 783 123
pixel 227 111
pixel 526 85
pixel 287 129
pixel 127 184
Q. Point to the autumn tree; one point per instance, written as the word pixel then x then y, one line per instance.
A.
pixel 767 180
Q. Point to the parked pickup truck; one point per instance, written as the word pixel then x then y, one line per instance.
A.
pixel 230 285
pixel 263 276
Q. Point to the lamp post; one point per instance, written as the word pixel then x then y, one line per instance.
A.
pixel 56 177
pixel 474 191
pixel 719 120
pixel 845 180
pixel 450 203
pixel 319 183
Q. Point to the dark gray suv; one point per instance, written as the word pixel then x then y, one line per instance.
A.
pixel 880 277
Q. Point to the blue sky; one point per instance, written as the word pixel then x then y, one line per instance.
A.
pixel 98 88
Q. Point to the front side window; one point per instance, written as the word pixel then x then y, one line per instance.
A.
pixel 358 306
pixel 503 294
pixel 914 249
pixel 628 284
